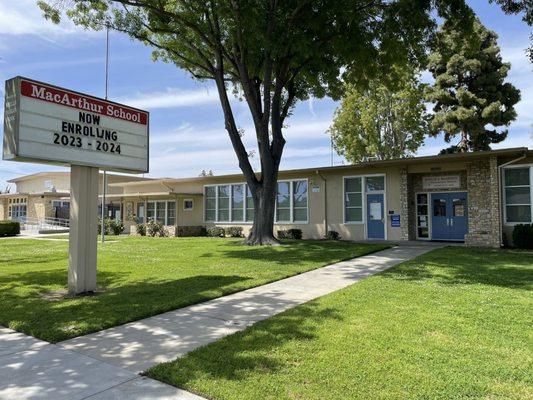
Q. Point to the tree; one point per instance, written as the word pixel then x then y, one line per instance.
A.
pixel 380 121
pixel 272 53
pixel 470 96
pixel 524 7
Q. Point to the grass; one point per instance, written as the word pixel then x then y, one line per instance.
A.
pixel 455 323
pixel 140 277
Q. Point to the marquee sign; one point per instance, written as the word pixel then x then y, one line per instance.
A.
pixel 48 124
pixel 441 182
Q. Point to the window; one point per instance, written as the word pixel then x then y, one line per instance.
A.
pixel 283 202
pixel 299 190
pixel 291 201
pixel 422 217
pixel 17 209
pixel 353 200
pixel 223 203
pixel 517 193
pixel 375 183
pixel 171 213
pixel 161 211
pixel 210 203
pixel 188 204
pixel 237 202
pixel 140 213
pixel 249 205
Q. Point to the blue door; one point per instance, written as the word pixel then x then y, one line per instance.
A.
pixel 375 221
pixel 449 216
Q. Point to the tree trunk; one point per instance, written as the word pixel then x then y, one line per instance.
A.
pixel 262 232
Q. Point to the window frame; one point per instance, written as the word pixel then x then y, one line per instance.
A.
pixel 504 194
pixel 364 194
pixel 229 222
pixel 291 203
pixel 192 204
pixel 165 202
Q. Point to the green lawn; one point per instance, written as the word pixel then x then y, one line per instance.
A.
pixel 455 323
pixel 140 277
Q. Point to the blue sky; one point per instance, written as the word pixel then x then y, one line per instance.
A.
pixel 187 129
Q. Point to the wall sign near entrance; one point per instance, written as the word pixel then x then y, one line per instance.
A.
pixel 441 182
pixel 48 124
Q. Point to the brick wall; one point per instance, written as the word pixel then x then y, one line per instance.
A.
pixel 483 204
pixel 405 220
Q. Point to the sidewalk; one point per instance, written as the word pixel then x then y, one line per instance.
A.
pixel 104 365
pixel 139 345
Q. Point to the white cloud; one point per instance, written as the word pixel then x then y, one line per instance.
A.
pixel 172 98
pixel 22 17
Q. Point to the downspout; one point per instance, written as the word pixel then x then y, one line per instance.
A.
pixel 500 192
pixel 325 201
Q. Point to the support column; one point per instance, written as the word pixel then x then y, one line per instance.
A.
pixel 83 229
pixel 404 204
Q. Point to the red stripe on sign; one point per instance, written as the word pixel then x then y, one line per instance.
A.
pixel 84 103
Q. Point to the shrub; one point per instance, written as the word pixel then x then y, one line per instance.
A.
pixel 216 231
pixel 523 236
pixel 115 227
pixel 141 229
pixel 234 231
pixel 290 234
pixel 9 228
pixel 155 228
pixel 333 235
pixel 184 231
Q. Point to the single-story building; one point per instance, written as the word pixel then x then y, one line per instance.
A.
pixel 472 197
pixel 45 196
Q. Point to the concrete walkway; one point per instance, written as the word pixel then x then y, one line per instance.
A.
pixel 104 365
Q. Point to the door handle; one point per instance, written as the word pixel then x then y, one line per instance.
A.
pixel 451 221
pixel 447 222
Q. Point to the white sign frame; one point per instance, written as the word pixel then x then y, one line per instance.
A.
pixel 441 182
pixel 38 117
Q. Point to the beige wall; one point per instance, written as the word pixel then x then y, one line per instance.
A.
pixel 61 183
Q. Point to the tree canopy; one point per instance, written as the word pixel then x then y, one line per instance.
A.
pixel 272 53
pixel 470 94
pixel 381 120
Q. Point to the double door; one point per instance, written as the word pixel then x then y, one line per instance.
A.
pixel 449 216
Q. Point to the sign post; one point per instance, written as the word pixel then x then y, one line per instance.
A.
pixel 83 235
pixel 47 124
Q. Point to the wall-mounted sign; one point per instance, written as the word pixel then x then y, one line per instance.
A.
pixel 315 189
pixel 48 124
pixel 441 182
pixel 395 221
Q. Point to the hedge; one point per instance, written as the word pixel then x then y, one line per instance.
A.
pixel 9 228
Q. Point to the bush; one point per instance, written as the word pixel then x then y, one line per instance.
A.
pixel 216 231
pixel 234 231
pixel 9 228
pixel 523 236
pixel 290 234
pixel 155 228
pixel 115 227
pixel 333 235
pixel 141 229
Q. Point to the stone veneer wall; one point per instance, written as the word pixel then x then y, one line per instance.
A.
pixel 415 186
pixel 3 209
pixel 483 204
pixel 405 220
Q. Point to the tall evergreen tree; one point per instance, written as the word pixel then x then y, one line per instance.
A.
pixel 470 96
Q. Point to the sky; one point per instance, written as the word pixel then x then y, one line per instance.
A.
pixel 186 123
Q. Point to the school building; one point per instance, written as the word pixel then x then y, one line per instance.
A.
pixel 472 197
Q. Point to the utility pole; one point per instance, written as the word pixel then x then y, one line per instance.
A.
pixel 104 180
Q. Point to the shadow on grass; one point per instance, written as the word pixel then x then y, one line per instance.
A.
pixel 249 350
pixel 466 266
pixel 22 308
pixel 293 252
